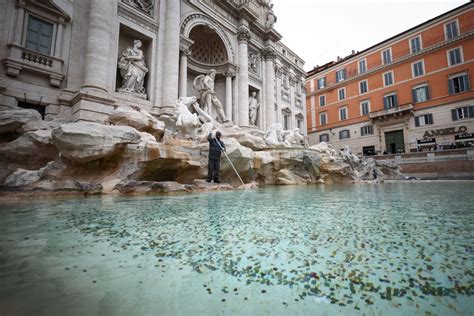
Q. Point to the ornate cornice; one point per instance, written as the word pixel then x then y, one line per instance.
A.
pixel 137 17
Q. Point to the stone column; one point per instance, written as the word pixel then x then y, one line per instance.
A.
pixel 59 40
pixel 235 99
pixel 97 46
pixel 171 54
pixel 278 73
pixel 293 82
pixel 228 93
pixel 183 71
pixel 20 17
pixel 243 35
pixel 269 57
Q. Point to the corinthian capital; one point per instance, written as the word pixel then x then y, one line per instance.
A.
pixel 243 35
pixel 268 53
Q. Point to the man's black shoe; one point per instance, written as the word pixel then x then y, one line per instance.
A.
pixel 208 180
pixel 217 181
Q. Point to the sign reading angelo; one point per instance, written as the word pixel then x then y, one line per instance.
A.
pixel 445 131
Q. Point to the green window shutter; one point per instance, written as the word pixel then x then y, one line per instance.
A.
pixel 395 100
pixel 427 91
pixel 471 110
pixel 413 93
pixel 429 118
pixel 451 86
pixel 466 84
pixel 417 121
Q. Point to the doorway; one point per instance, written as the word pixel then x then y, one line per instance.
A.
pixel 394 142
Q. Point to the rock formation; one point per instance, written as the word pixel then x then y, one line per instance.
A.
pixel 135 153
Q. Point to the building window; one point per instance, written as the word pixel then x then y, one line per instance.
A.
pixel 322 83
pixel 451 30
pixel 299 123
pixel 39 35
pixel 341 93
pixel 344 134
pixel 286 121
pixel 343 113
pixel 462 113
pixel 340 75
pixel 388 78
pixel 415 44
pixel 363 87
pixel 322 100
pixel 458 83
pixel 324 138
pixel 362 66
pixel 420 94
pixel 323 118
pixel 367 130
pixel 365 107
pixel 418 69
pixel 390 101
pixel 455 56
pixel 422 120
pixel 387 56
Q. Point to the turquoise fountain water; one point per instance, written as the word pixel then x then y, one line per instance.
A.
pixel 386 249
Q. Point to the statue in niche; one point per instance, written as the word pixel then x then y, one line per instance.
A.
pixel 253 108
pixel 253 62
pixel 205 85
pixel 133 70
pixel 271 18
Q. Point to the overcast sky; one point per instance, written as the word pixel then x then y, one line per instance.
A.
pixel 320 30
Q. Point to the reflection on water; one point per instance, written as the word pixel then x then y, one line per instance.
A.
pixel 373 249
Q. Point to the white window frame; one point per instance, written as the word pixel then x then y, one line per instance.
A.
pixel 348 134
pixel 464 112
pixel 449 22
pixel 457 75
pixel 339 94
pixel 413 68
pixel 423 85
pixel 367 134
pixel 358 65
pixel 461 54
pixel 324 134
pixel 361 108
pixel 389 95
pixel 54 38
pixel 317 83
pixel 337 81
pixel 391 56
pixel 322 96
pixel 367 85
pixel 325 114
pixel 393 78
pixel 347 113
pixel 421 43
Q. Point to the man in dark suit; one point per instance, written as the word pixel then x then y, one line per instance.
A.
pixel 216 146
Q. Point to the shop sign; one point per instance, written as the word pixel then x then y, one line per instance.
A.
pixel 426 141
pixel 464 136
pixel 445 131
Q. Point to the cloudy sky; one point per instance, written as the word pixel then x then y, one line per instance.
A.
pixel 320 30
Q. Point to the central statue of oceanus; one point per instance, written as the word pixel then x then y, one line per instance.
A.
pixel 204 84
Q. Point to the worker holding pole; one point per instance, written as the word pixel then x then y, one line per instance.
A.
pixel 216 146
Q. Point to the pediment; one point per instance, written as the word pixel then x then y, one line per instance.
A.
pixel 49 6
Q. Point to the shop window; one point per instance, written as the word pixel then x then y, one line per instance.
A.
pixel 368 150
pixel 344 134
pixel 420 94
pixel 324 138
pixel 39 35
pixel 367 130
pixel 462 113
pixel 422 120
pixel 458 83
pixel 390 101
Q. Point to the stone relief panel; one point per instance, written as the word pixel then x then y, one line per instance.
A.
pixel 254 62
pixel 145 6
pixel 138 19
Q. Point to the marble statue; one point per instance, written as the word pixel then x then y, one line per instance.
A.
pixel 186 122
pixel 204 84
pixel 274 135
pixel 294 137
pixel 271 18
pixel 133 70
pixel 253 62
pixel 253 108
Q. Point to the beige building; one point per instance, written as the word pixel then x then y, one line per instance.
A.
pixel 61 57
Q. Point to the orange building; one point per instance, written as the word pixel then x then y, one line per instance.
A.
pixel 411 92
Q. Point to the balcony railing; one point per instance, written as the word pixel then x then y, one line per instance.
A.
pixel 391 111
